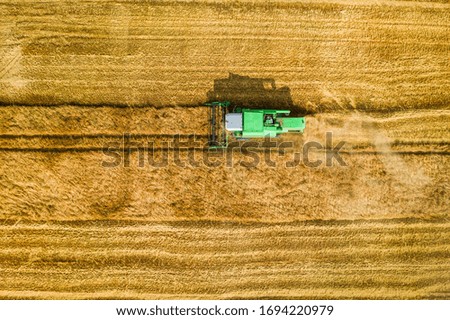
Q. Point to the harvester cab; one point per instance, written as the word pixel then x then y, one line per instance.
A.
pixel 243 123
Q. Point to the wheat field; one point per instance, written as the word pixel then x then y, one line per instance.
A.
pixel 339 54
pixel 392 259
pixel 78 76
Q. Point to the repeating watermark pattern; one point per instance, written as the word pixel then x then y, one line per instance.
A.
pixel 194 151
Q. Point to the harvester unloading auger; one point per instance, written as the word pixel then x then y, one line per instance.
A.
pixel 243 123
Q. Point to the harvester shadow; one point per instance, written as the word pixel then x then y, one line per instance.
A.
pixel 247 92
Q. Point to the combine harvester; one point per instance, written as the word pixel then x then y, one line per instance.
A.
pixel 244 123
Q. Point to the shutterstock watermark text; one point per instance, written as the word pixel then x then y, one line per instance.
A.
pixel 194 151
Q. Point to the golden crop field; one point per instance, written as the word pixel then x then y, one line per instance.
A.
pixel 332 54
pixel 79 222
pixel 393 259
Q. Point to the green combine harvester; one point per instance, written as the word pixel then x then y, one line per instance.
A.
pixel 244 123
